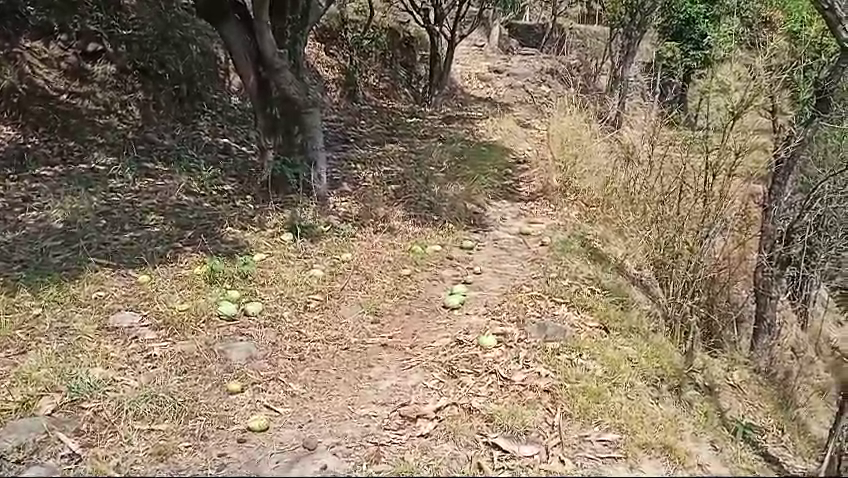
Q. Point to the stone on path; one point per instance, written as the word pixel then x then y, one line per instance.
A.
pixel 547 331
pixel 238 352
pixel 303 463
pixel 126 319
pixel 42 469
pixel 18 433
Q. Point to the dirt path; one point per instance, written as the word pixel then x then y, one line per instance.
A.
pixel 343 416
pixel 346 400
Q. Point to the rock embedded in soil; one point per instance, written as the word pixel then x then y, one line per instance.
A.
pixel 238 352
pixel 477 270
pixel 468 245
pixel 320 462
pixel 316 273
pixel 126 319
pixel 434 248
pixel 18 433
pixel 468 280
pixel 406 272
pixel 346 257
pixel 144 279
pixel 42 469
pixel 310 443
pixel 545 241
pixel 525 231
pixel 547 331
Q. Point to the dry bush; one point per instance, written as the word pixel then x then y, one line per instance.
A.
pixel 684 200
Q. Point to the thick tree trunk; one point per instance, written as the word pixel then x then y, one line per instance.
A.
pixel 275 75
pixel 772 260
pixel 493 42
pixel 435 64
pixel 232 21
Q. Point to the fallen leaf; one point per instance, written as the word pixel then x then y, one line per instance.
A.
pixel 543 371
pixel 72 445
pixel 47 404
pixel 415 411
pixel 504 331
pixel 514 447
pixel 542 383
pixel 425 427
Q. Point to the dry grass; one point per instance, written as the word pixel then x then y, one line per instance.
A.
pixel 139 399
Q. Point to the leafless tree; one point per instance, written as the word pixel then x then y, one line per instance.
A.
pixel 266 41
pixel 629 21
pixel 557 10
pixel 447 23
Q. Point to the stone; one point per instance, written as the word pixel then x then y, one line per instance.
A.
pixel 238 352
pixel 310 443
pixel 42 469
pixel 547 331
pixel 20 432
pixel 303 463
pixel 126 319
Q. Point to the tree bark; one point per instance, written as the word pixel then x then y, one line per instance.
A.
pixel 232 21
pixel 444 32
pixel 275 75
pixel 619 81
pixel 772 252
pixel 836 438
pixel 493 42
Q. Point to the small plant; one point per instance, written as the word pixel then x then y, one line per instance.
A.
pixel 82 386
pixel 744 430
pixel 218 271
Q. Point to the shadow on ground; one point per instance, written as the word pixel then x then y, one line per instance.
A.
pixel 99 172
pixel 431 165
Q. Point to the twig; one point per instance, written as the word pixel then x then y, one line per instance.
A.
pixel 559 429
pixel 278 411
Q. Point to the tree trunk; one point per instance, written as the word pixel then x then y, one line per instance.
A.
pixel 772 260
pixel 231 20
pixel 275 75
pixel 836 438
pixel 619 81
pixel 435 62
pixel 494 40
pixel 554 17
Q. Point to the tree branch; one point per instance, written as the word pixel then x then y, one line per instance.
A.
pixel 835 15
